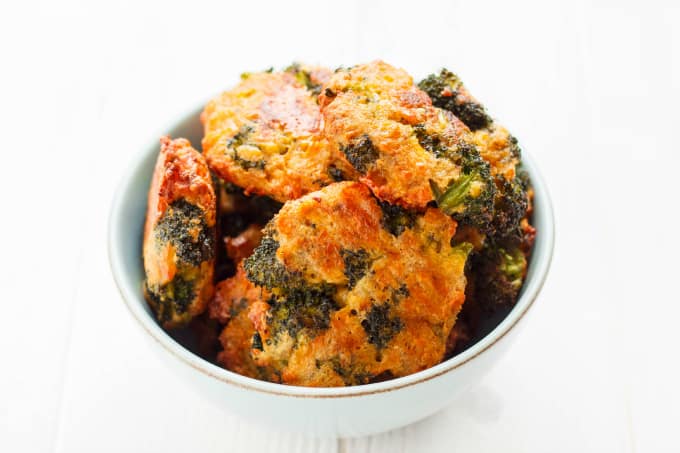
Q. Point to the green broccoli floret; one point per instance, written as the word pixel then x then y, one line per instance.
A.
pixel 431 142
pixel 470 197
pixel 498 272
pixel 510 206
pixel 447 92
pixel 396 219
pixel 381 325
pixel 357 263
pixel 306 307
pixel 296 304
pixel 264 269
pixel 178 226
pixel 361 153
pixel 171 299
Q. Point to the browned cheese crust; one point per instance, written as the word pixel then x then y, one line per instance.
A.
pixel 388 130
pixel 264 135
pixel 384 302
pixel 179 234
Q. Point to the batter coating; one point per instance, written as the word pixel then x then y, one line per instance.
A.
pixel 387 129
pixel 264 135
pixel 179 234
pixel 355 291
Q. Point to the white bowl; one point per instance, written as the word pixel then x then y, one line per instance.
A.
pixel 344 411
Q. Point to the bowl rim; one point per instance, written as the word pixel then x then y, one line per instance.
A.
pixel 135 302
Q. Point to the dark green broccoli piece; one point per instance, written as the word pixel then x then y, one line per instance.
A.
pixel 178 225
pixel 431 142
pixel 174 297
pixel 470 197
pixel 357 263
pixel 498 273
pixel 264 269
pixel 304 77
pixel 302 307
pixel 381 325
pixel 295 303
pixel 515 150
pixel 361 154
pixel 447 92
pixel 396 219
pixel 510 206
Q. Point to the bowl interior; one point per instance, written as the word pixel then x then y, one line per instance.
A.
pixel 125 245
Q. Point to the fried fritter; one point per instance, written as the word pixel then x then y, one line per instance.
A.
pixel 179 234
pixel 264 135
pixel 494 142
pixel 356 290
pixel 496 146
pixel 387 129
pixel 233 300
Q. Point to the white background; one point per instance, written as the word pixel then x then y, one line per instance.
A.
pixel 591 89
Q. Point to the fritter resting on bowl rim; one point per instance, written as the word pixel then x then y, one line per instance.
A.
pixel 179 234
pixel 264 135
pixel 352 291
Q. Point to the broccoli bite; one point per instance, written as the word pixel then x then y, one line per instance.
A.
pixel 230 307
pixel 390 134
pixel 349 297
pixel 499 273
pixel 495 145
pixel 470 197
pixel 179 234
pixel 448 92
pixel 264 134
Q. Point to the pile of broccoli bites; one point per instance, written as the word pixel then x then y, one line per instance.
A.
pixel 340 227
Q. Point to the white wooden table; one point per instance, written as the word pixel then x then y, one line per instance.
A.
pixel 591 90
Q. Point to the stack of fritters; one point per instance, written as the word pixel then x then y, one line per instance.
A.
pixel 397 204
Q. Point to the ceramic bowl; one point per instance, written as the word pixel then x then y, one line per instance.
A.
pixel 345 411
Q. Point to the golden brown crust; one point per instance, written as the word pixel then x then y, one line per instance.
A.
pixel 180 172
pixel 181 188
pixel 495 145
pixel 378 102
pixel 264 136
pixel 392 317
pixel 233 300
